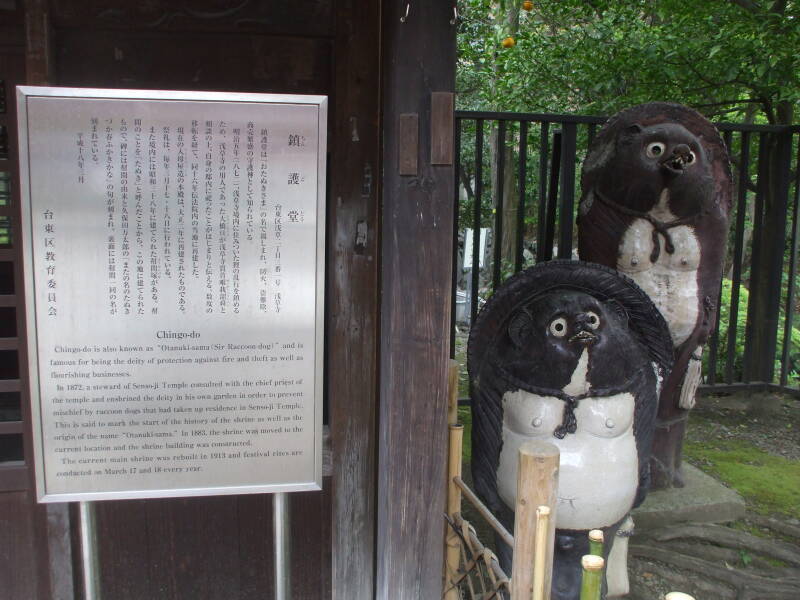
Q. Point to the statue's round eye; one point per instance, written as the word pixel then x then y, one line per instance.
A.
pixel 559 327
pixel 691 158
pixel 655 149
pixel 594 320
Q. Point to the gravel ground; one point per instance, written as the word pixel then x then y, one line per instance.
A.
pixel 768 421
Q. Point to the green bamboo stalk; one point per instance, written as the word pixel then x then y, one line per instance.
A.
pixel 596 542
pixel 592 577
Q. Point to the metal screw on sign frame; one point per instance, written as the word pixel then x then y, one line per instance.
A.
pixel 89 556
pixel 404 18
pixel 282 546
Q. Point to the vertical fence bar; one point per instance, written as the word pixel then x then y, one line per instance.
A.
pixel 738 251
pixel 713 345
pixel 541 229
pixel 567 206
pixel 775 222
pixel 552 196
pixel 522 175
pixel 758 219
pixel 497 236
pixel 476 222
pixel 591 131
pixel 790 293
pixel 456 225
pixel 769 248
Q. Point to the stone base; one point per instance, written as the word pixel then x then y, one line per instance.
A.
pixel 702 500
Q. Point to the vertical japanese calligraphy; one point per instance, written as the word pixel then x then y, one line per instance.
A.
pixel 174 280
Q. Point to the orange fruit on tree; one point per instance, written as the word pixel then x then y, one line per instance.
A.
pixel 509 42
pixel 527 5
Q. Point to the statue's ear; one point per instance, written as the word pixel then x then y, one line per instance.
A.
pixel 520 327
pixel 616 308
pixel 634 129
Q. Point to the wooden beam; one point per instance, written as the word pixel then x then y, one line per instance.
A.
pixel 418 59
pixel 352 296
pixel 39 48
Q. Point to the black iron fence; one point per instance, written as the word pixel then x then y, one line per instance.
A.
pixel 517 184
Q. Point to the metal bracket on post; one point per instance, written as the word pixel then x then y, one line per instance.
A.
pixel 89 555
pixel 282 546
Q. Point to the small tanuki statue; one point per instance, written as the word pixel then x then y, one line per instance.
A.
pixel 656 198
pixel 571 353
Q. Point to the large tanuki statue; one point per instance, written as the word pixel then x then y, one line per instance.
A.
pixel 656 197
pixel 574 354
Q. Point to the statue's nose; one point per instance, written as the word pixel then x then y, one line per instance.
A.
pixel 681 150
pixel 582 321
pixel 675 163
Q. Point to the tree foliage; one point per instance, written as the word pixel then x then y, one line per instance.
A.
pixel 731 59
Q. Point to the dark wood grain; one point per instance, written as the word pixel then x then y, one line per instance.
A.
pixel 352 296
pixel 308 18
pixel 408 144
pixel 18 552
pixel 123 533
pixel 418 58
pixel 442 106
pixel 24 569
pixel 194 61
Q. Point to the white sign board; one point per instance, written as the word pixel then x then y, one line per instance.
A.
pixel 468 237
pixel 174 258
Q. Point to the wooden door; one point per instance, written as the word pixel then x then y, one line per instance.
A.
pixel 220 547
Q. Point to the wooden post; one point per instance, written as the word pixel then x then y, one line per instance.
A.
pixel 352 304
pixel 537 485
pixel 418 58
pixel 452 543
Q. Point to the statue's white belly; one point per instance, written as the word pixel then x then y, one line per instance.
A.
pixel 671 282
pixel 599 471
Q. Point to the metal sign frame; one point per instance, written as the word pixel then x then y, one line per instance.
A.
pixel 233 100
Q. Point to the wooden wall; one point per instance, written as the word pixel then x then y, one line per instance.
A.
pixel 24 568
pixel 375 530
pixel 221 547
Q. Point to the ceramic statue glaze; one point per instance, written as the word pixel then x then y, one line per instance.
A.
pixel 573 354
pixel 656 197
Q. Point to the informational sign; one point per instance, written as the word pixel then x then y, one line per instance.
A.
pixel 173 246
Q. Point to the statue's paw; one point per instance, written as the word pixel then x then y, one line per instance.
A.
pixel 678 479
pixel 694 373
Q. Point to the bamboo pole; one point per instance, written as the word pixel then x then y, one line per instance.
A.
pixel 540 552
pixel 537 485
pixel 592 577
pixel 452 392
pixel 452 542
pixel 490 519
pixel 455 441
pixel 678 596
pixel 596 542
